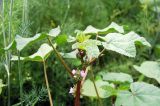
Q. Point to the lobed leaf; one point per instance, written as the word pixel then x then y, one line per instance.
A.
pixel 150 69
pixel 123 44
pixel 20 43
pixel 89 90
pixel 141 94
pixel 41 55
pixel 113 26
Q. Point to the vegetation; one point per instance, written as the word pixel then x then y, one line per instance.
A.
pixel 72 53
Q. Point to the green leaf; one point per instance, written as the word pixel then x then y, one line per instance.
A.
pixel 150 69
pixel 111 90
pixel 23 42
pixel 20 43
pixel 117 77
pixel 90 46
pixel 41 55
pixel 123 44
pixel 71 39
pixel 142 94
pixel 89 90
pixel 81 37
pixel 61 39
pixel 1 85
pixel 113 26
pixel 54 32
pixel 70 55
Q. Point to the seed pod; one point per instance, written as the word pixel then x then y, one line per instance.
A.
pixel 82 53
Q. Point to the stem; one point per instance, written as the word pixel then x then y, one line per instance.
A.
pixel 47 84
pixel 82 82
pixel 25 17
pixel 95 58
pixel 100 102
pixel 113 100
pixel 66 14
pixel 20 78
pixel 10 19
pixel 60 58
pixel 24 13
pixel 77 99
pixel 8 81
pixel 3 28
pixel 6 53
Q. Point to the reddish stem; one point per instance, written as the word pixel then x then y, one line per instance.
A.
pixel 77 98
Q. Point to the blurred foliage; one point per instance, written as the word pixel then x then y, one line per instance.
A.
pixel 43 15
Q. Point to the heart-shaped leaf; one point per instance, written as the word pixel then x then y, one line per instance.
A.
pixel 113 26
pixel 89 90
pixel 41 55
pixel 20 43
pixel 150 69
pixel 141 94
pixel 123 44
pixel 117 77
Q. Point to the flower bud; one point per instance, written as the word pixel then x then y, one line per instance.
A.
pixel 74 71
pixel 83 74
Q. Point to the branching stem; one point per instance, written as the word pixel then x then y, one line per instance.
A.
pixel 96 58
pixel 60 58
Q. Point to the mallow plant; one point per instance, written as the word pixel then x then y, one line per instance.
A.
pixel 87 46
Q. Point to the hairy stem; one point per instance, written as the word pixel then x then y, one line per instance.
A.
pixel 60 58
pixel 47 84
pixel 20 79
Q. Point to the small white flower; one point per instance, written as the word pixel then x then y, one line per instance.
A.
pixel 74 71
pixel 71 90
